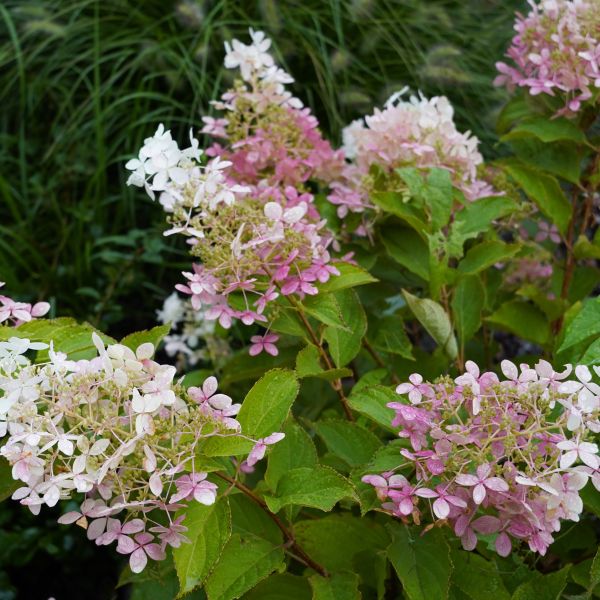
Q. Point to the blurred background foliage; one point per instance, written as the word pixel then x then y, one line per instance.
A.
pixel 83 82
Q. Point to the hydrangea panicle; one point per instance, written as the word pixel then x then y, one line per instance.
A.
pixel 119 430
pixel 556 52
pixel 491 456
pixel 248 211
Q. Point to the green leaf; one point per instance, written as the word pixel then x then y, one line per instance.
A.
pixel 547 130
pixel 544 190
pixel 250 520
pixel 485 255
pixel 318 487
pixel 340 586
pixel 543 587
pixel 243 367
pixel 394 203
pixel 351 442
pixel 350 276
pixel 287 321
pixel 438 196
pixel 7 484
pixel 476 577
pixel 584 326
pixel 345 345
pixel 268 403
pixel 467 303
pixel 209 528
pixel 475 218
pixel 69 336
pixel 154 336
pixel 295 450
pixel 435 320
pixel 243 564
pixel 308 364
pixel 372 402
pixel 281 586
pixel 389 336
pixel 522 319
pixel 422 562
pixel 562 159
pixel 335 540
pixel 407 248
pixel 326 308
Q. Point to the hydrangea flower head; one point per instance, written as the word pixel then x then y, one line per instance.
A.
pixel 490 454
pixel 556 51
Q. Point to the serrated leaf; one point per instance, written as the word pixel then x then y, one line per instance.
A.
pixel 335 540
pixel 486 254
pixel 407 248
pixel 250 520
pixel 422 562
pixel 268 403
pixel 585 325
pixel 295 450
pixel 544 190
pixel 389 336
pixel 393 203
pixel 326 309
pixel 372 401
pixel 154 336
pixel 475 218
pixel 281 586
pixel 349 441
pixel 350 276
pixel 435 320
pixel 209 528
pixel 308 364
pixel 318 487
pixel 522 319
pixel 467 303
pixel 243 366
pixel 476 577
pixel 243 564
pixel 68 336
pixel 543 587
pixel 340 586
pixel 547 130
pixel 344 345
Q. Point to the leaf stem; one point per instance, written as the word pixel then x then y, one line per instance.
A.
pixel 298 553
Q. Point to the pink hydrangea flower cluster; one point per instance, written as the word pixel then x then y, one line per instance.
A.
pixel 505 457
pixel 417 132
pixel 120 431
pixel 270 138
pixel 556 51
pixel 15 313
pixel 248 213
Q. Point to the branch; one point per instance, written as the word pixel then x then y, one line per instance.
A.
pixel 299 553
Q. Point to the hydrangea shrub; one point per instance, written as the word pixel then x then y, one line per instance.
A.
pixel 410 334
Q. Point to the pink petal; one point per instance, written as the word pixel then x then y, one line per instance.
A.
pixel 503 544
pixel 479 493
pixel 497 484
pixel 138 560
pixel 486 524
pixel 441 508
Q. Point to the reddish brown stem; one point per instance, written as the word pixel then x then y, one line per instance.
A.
pixel 336 384
pixel 298 553
pixel 378 360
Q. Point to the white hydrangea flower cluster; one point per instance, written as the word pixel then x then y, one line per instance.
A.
pixel 118 429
